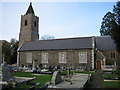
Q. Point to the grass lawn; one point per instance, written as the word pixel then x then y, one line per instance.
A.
pixel 21 87
pixel 111 84
pixel 21 74
pixel 83 72
pixel 42 79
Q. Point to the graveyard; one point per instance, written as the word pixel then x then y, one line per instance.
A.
pixel 44 79
pixel 61 63
pixel 41 79
pixel 17 78
pixel 26 78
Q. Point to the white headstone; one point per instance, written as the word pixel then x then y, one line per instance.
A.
pixel 5 72
pixel 56 78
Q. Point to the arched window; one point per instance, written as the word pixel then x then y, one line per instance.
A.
pixel 113 54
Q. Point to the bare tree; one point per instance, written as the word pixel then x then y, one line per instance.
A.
pixel 46 37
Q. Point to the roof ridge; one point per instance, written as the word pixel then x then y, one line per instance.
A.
pixel 61 39
pixel 103 36
pixel 66 38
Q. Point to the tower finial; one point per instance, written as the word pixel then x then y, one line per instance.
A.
pixel 30 3
pixel 30 9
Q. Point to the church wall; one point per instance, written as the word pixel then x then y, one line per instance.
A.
pixel 108 59
pixel 72 58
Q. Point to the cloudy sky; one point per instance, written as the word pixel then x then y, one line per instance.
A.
pixel 58 19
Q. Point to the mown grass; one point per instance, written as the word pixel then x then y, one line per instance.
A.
pixel 21 87
pixel 83 72
pixel 21 74
pixel 111 84
pixel 42 79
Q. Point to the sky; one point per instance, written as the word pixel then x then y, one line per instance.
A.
pixel 58 19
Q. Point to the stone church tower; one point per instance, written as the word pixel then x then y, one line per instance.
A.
pixel 29 27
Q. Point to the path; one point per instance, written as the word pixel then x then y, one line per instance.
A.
pixel 97 80
pixel 78 81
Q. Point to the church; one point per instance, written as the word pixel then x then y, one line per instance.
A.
pixel 85 53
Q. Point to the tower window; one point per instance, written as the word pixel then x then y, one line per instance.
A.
pixel 35 23
pixel 25 22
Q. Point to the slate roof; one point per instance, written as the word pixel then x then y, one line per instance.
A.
pixel 102 43
pixel 105 43
pixel 58 44
pixel 30 9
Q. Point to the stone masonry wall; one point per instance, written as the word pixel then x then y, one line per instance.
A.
pixel 30 31
pixel 107 57
pixel 72 58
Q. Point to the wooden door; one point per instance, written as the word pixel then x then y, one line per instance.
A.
pixel 98 65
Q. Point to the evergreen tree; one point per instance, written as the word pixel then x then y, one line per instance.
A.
pixel 116 36
pixel 116 28
pixel 111 25
pixel 107 23
pixel 116 11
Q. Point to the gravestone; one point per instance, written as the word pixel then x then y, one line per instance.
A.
pixel 5 72
pixel 68 72
pixel 56 78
